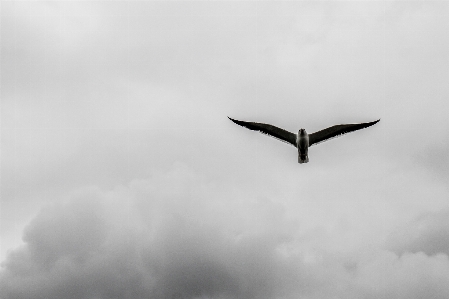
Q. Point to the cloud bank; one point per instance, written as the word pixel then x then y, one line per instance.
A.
pixel 170 237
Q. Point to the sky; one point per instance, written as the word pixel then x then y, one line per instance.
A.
pixel 122 177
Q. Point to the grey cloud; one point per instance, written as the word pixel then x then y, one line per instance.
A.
pixel 405 276
pixel 166 237
pixel 89 247
pixel 115 94
pixel 435 158
pixel 428 233
pixel 104 69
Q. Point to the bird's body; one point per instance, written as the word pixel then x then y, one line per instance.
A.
pixel 302 144
pixel 303 140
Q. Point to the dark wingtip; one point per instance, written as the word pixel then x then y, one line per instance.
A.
pixel 372 123
pixel 234 120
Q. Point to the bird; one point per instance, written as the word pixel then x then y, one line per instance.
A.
pixel 302 141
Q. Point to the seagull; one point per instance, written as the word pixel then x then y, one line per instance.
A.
pixel 303 140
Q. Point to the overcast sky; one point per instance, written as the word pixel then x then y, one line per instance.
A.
pixel 122 177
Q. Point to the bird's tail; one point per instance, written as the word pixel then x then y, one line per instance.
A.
pixel 303 159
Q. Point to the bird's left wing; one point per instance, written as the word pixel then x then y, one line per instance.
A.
pixel 336 131
pixel 273 131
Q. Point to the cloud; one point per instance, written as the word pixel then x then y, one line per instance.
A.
pixel 148 241
pixel 428 233
pixel 115 94
pixel 406 276
pixel 435 158
pixel 168 237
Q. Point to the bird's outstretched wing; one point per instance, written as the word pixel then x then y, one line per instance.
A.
pixel 273 131
pixel 336 131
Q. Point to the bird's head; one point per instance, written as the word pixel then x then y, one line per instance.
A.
pixel 302 132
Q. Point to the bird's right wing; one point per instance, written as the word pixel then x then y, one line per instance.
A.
pixel 336 131
pixel 273 131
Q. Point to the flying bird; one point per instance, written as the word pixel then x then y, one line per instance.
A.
pixel 303 140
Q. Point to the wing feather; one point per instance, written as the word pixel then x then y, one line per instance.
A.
pixel 270 130
pixel 336 131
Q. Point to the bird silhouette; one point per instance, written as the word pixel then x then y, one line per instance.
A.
pixel 302 141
